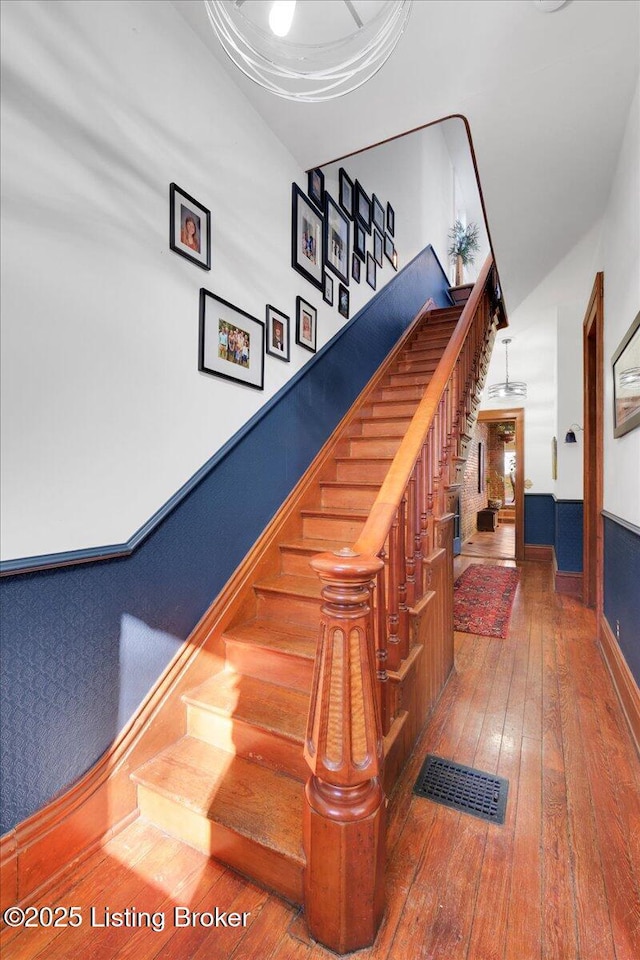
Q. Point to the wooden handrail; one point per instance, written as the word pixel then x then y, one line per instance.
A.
pixel 378 524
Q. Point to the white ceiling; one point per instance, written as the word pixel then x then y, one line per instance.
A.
pixel 546 96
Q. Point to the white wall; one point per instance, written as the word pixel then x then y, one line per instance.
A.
pixel 620 259
pixel 105 414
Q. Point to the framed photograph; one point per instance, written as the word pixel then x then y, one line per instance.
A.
pixel 391 220
pixel 343 301
pixel 345 195
pixel 362 209
pixel 359 240
pixel 327 292
pixel 377 214
pixel 306 324
pixel 316 187
pixel 277 334
pixel 355 268
pixel 231 342
pixel 336 240
pixel 625 364
pixel 389 248
pixel 377 247
pixel 371 271
pixel 307 238
pixel 189 227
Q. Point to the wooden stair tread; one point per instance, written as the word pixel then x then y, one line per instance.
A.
pixel 359 484
pixel 281 636
pixel 267 705
pixel 313 546
pixel 344 513
pixel 251 800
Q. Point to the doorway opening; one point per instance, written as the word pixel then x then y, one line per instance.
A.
pixel 492 495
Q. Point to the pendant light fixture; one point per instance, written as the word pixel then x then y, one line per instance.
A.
pixel 310 49
pixel 509 389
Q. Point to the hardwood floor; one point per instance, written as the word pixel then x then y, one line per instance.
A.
pixel 560 880
pixel 500 543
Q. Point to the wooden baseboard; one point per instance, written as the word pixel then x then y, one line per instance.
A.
pixel 569 583
pixel 538 551
pixel 623 681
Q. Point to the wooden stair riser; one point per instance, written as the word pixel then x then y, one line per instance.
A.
pixel 407 379
pixel 273 605
pixel 408 392
pixel 346 495
pixel 381 427
pixel 274 666
pixel 244 739
pixel 332 528
pixel 421 364
pixel 373 446
pixel 391 408
pixel 362 470
pixel 425 349
pixel 268 867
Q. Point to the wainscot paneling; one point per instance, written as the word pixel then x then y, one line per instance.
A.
pixel 622 588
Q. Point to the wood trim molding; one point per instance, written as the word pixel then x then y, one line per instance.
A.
pixel 539 551
pixel 103 801
pixel 623 681
pixel 593 453
pixel 569 583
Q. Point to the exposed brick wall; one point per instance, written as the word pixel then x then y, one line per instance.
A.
pixel 495 464
pixel 470 500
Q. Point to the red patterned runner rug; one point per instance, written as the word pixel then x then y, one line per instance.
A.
pixel 482 599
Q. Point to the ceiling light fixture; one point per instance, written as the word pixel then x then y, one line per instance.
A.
pixel 509 389
pixel 310 50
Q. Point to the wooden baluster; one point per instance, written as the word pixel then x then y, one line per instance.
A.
pixel 403 612
pixel 410 544
pixel 424 512
pixel 417 529
pixel 431 461
pixel 344 810
pixel 393 614
pixel 381 649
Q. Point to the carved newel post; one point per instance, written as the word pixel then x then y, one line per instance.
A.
pixel 344 813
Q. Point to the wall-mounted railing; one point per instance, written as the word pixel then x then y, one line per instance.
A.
pixel 371 592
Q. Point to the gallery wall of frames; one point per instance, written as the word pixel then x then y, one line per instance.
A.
pixel 335 242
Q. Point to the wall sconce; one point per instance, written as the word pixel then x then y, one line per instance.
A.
pixel 571 435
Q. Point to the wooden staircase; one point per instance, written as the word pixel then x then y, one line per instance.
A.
pixel 233 784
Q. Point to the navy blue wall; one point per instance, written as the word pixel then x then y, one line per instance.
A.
pixel 557 523
pixel 622 588
pixel 70 634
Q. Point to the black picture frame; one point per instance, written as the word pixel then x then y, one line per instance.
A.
pixel 388 248
pixel 345 192
pixel 336 239
pixel 315 187
pixel 359 240
pixel 378 248
pixel 371 271
pixel 327 289
pixel 189 227
pixel 377 213
pixel 278 333
pixel 356 264
pixel 343 301
pixel 362 208
pixel 625 369
pixel 220 321
pixel 391 220
pixel 306 324
pixel 307 238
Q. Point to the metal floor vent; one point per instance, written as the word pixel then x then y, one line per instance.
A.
pixel 462 788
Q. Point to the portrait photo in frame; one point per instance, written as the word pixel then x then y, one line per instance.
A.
pixel 336 240
pixel 278 333
pixel 378 248
pixel 315 183
pixel 231 342
pixel 625 366
pixel 359 240
pixel 306 324
pixel 343 301
pixel 362 208
pixel 377 214
pixel 327 292
pixel 346 192
pixel 307 238
pixel 389 248
pixel 189 227
pixel 391 220
pixel 356 265
pixel 371 271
